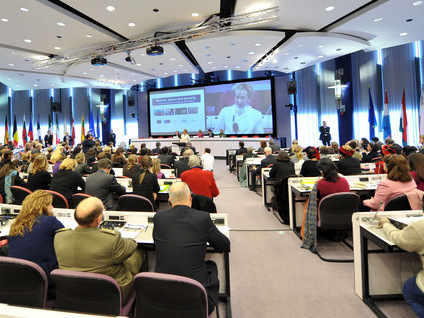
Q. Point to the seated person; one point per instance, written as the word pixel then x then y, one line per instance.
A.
pixel 274 147
pixel 39 178
pixel 208 160
pixel 111 254
pixel 131 167
pixel 210 133
pixel 118 158
pixel 82 167
pixel 156 150
pixel 416 162
pixel 132 149
pixel 200 133
pixel 356 153
pixel 181 233
pixel 262 147
pixel 165 157
pixel 57 159
pixel 409 239
pixel 146 183
pixel 373 153
pixel 399 181
pixel 31 234
pixel 9 176
pixel 103 185
pixel 156 168
pixel 269 160
pixel 185 137
pixel 242 150
pixel 200 181
pixel 331 181
pixel 347 165
pixel 310 166
pixel 188 146
pixel 181 165
pixel 282 167
pixel 66 181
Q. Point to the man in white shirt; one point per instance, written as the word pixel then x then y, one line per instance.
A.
pixel 241 118
pixel 207 160
pixel 185 137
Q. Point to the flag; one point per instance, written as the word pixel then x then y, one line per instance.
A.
pixel 82 128
pixel 73 132
pixel 91 128
pixel 6 132
pixel 15 133
pixel 403 126
pixel 24 133
pixel 98 126
pixel 30 132
pixel 57 130
pixel 38 129
pixel 371 116
pixel 386 118
pixel 422 113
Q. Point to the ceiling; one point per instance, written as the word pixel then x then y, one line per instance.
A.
pixel 305 33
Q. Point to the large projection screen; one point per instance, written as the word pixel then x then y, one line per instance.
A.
pixel 238 108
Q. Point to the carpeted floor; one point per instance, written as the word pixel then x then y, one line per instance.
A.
pixel 271 276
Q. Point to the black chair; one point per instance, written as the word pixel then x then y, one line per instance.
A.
pixel 135 202
pixel 59 201
pixel 22 283
pixel 280 201
pixel 399 203
pixel 335 213
pixel 77 198
pixel 19 194
pixel 202 203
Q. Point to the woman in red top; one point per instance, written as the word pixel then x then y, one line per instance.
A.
pixel 331 181
pixel 416 161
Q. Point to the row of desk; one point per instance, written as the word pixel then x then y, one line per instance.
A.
pixel 139 226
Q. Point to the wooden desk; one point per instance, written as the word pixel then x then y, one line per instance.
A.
pixel 381 268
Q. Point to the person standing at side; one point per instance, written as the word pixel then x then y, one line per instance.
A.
pixel 325 136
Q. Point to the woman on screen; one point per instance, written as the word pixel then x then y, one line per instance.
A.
pixel 241 118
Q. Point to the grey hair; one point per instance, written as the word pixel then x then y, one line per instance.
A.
pixel 187 153
pixel 193 161
pixel 179 192
pixel 268 149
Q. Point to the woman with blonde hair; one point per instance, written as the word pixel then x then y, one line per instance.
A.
pixel 57 158
pixel 156 168
pixel 39 178
pixel 66 181
pixel 146 183
pixel 32 233
pixel 131 168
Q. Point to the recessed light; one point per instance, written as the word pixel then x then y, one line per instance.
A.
pixel 403 34
pixel 61 24
pixel 166 73
pixel 110 8
pixel 210 62
pixel 251 53
pixel 274 61
pixel 172 59
pixel 417 3
pixel 11 64
pixel 321 56
pixel 27 41
pixel 138 64
pixel 258 44
pixel 194 14
pixel 330 8
pixel 378 19
pixel 35 85
pixel 226 66
pixel 131 24
pixel 24 10
pixel 5 20
pixel 89 36
pixel 237 66
pixel 321 46
pixel 57 48
pixel 85 73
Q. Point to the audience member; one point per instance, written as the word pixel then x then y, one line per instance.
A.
pixel 110 254
pixel 156 150
pixel 39 178
pixel 282 167
pixel 268 161
pixel 188 146
pixel 165 157
pixel 146 183
pixel 66 181
pixel 208 160
pixel 181 233
pixel 262 147
pixel 131 168
pixel 200 181
pixel 347 165
pixel 9 176
pixel 331 181
pixel 242 150
pixel 156 168
pixel 103 185
pixel 181 165
pixel 416 163
pixel 373 153
pixel 399 181
pixel 88 143
pixel 118 158
pixel 273 146
pixel 310 166
pixel 57 158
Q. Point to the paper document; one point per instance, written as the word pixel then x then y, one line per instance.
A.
pixel 132 230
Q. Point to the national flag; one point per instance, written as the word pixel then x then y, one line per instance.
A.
pixel 30 132
pixel 387 130
pixel 57 130
pixel 6 132
pixel 371 116
pixel 403 126
pixel 15 133
pixel 38 129
pixel 82 128
pixel 24 133
pixel 91 128
pixel 73 132
pixel 422 113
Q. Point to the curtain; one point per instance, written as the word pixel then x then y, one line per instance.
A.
pixel 399 74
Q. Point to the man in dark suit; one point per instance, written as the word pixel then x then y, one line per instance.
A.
pixel 165 157
pixel 112 137
pixel 181 165
pixel 267 161
pixel 181 233
pixel 103 185
pixel 156 150
pixel 48 139
pixel 325 136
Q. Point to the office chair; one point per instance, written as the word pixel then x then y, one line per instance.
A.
pixel 59 201
pixel 335 213
pixel 19 194
pixel 164 295
pixel 135 202
pixel 89 292
pixel 22 283
pixel 202 203
pixel 400 203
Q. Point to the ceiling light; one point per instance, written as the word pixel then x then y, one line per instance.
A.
pixel 5 20
pixel 131 24
pixel 89 36
pixel 258 44
pixel 210 62
pixel 57 48
pixel 27 41
pixel 138 64
pixel 274 61
pixel 251 53
pixel 417 3
pixel 403 34
pixel 172 59
pixel 166 73
pixel 24 10
pixel 321 46
pixel 85 73
pixel 330 8
pixel 35 85
pixel 11 64
pixel 321 56
pixel 110 8
pixel 61 24
pixel 237 66
pixel 194 14
pixel 180 65
pixel 378 19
